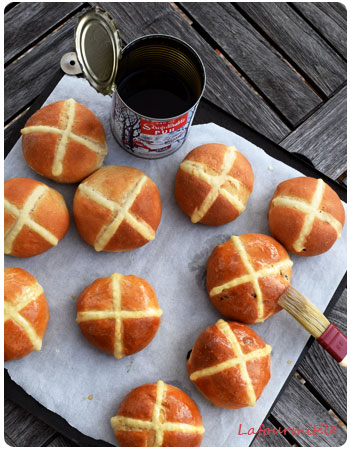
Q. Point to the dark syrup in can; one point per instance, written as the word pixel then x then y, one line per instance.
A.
pixel 159 82
pixel 156 93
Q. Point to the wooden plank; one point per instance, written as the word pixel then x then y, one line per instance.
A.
pixel 325 375
pixel 322 20
pixel 299 42
pixel 26 23
pixel 8 131
pixel 9 6
pixel 297 407
pixel 256 59
pixel 22 429
pixel 322 137
pixel 61 441
pixel 224 86
pixel 336 10
pixel 33 71
pixel 270 440
pixel 11 127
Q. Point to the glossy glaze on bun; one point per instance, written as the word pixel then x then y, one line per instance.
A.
pixel 119 314
pixel 230 365
pixel 158 415
pixel 246 275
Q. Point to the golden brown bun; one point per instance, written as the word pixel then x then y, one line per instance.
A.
pixel 117 208
pixel 306 215
pixel 64 141
pixel 213 184
pixel 119 314
pixel 230 365
pixel 26 313
pixel 158 415
pixel 36 217
pixel 246 276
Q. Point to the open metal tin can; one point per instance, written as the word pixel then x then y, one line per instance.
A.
pixel 156 83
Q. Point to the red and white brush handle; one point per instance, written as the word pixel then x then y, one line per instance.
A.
pixel 334 342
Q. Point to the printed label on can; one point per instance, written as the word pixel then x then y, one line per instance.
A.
pixel 157 128
pixel 146 137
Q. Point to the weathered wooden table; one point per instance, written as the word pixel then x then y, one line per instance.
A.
pixel 281 69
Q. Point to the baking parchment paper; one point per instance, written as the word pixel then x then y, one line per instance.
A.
pixel 84 385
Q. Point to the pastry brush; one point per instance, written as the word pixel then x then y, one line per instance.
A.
pixel 311 318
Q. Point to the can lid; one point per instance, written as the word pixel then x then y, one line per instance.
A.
pixel 98 48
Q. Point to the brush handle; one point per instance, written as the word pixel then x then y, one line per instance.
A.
pixel 334 342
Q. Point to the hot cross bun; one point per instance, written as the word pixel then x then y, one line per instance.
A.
pixel 306 216
pixel 230 365
pixel 213 184
pixel 64 141
pixel 158 415
pixel 26 313
pixel 36 217
pixel 246 276
pixel 117 208
pixel 119 314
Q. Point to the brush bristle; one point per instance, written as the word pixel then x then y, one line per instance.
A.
pixel 307 314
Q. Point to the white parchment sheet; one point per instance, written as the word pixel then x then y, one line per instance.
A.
pixel 68 369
